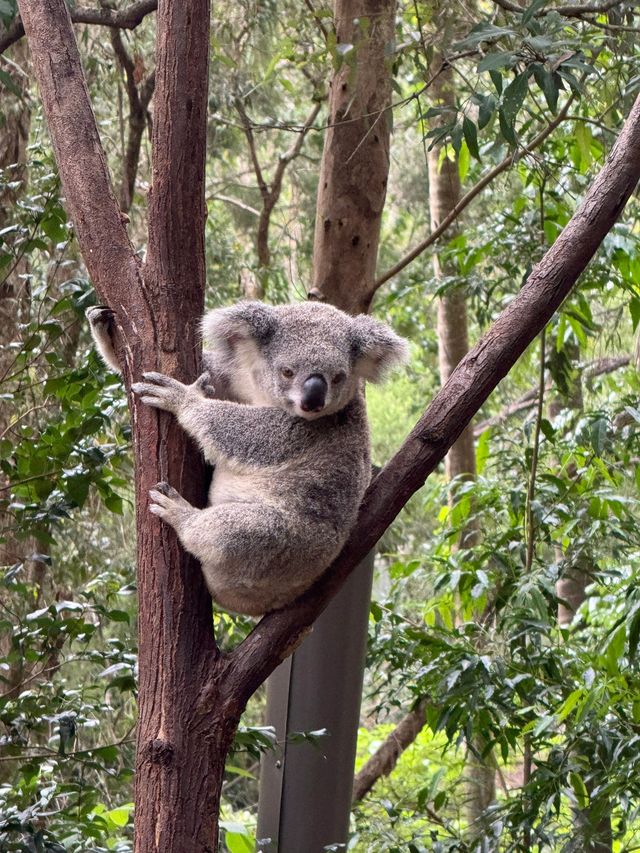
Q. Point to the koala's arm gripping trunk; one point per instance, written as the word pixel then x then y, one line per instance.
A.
pixel 252 435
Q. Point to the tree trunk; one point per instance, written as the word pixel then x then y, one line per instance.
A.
pixel 179 759
pixel 460 462
pixel 355 162
pixel 305 779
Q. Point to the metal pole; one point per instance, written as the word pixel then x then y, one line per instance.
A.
pixel 305 788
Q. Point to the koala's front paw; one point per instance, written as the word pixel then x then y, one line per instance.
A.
pixel 168 503
pixel 160 391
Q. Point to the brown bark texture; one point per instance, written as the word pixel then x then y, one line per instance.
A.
pixel 355 164
pixel 385 758
pixel 127 18
pixel 157 308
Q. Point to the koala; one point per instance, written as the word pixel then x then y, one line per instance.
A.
pixel 280 414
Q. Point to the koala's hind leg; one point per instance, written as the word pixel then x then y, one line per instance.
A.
pixel 253 557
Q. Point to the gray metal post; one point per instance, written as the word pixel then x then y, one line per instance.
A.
pixel 305 789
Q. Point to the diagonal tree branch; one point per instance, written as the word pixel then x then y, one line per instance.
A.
pixel 385 758
pixel 477 375
pixel 126 19
pixel 469 196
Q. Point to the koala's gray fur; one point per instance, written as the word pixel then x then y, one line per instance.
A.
pixel 289 442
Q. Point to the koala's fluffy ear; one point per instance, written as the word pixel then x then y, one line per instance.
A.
pixel 241 322
pixel 376 348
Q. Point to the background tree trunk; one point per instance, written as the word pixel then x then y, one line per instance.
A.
pixel 460 462
pixel 593 825
pixel 315 805
pixel 355 163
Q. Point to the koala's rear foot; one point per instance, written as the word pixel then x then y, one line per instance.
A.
pixel 170 506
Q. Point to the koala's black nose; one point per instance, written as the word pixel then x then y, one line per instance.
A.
pixel 314 393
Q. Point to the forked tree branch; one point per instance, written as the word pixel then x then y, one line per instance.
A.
pixel 477 375
pixel 124 19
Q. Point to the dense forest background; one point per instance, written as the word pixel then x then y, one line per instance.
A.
pixel 502 670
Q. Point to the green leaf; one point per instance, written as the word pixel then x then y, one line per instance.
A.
pixel 579 789
pixel 506 129
pixel 463 161
pixel 548 83
pixel 496 79
pixel 6 80
pixel 239 843
pixel 120 816
pixel 634 310
pixel 615 649
pixel 582 135
pixel 634 631
pixel 598 435
pixel 483 31
pixel 471 137
pixel 483 450
pixel 495 61
pixel 513 97
pixel 531 10
pixel 569 704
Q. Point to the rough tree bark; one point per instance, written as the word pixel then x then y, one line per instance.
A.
pixel 191 695
pixel 157 308
pixel 355 164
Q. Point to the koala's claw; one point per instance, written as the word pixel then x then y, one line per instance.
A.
pixel 160 379
pixel 160 391
pixel 165 489
pixel 166 501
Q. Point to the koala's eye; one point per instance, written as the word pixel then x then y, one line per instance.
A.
pixel 338 378
pixel 286 372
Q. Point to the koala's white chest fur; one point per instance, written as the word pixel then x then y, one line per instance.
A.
pixel 236 483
